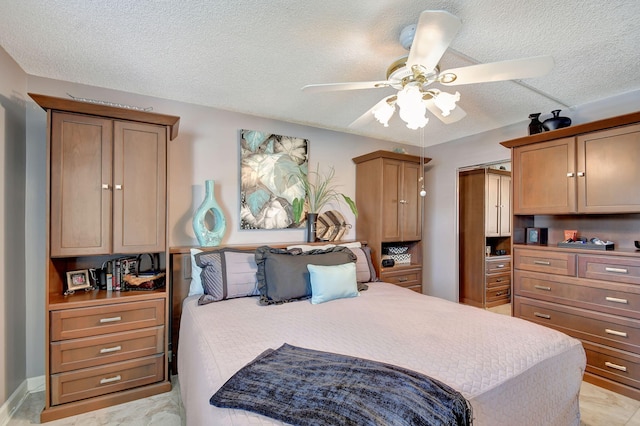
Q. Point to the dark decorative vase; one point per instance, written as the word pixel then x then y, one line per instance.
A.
pixel 311 227
pixel 535 126
pixel 556 122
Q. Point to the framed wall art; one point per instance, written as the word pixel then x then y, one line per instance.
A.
pixel 271 167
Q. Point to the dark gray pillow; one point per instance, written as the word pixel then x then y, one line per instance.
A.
pixel 283 275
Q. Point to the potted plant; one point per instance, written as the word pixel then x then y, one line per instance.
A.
pixel 319 189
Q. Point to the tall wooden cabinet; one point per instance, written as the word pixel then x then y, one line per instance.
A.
pixel 107 197
pixel 583 178
pixel 484 221
pixel 390 212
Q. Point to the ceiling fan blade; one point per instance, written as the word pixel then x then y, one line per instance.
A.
pixel 434 32
pixel 456 114
pixel 513 69
pixel 330 87
pixel 367 116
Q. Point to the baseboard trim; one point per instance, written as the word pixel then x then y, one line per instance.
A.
pixel 11 405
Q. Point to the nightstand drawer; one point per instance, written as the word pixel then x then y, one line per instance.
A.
pixel 610 330
pixel 86 322
pixel 548 262
pixel 90 382
pixel 616 269
pixel 615 365
pixel 87 352
pixel 404 278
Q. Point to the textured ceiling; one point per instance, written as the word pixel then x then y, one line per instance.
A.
pixel 253 56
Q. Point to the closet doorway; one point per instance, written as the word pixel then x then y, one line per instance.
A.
pixel 484 235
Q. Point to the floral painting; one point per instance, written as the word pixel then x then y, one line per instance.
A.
pixel 269 179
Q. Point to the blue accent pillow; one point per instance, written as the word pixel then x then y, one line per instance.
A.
pixel 332 282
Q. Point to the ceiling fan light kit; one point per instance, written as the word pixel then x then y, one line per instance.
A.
pixel 413 75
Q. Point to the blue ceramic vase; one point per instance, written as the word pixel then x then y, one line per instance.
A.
pixel 209 237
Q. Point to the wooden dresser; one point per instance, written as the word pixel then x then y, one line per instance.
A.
pixel 584 178
pixel 107 197
pixel 390 212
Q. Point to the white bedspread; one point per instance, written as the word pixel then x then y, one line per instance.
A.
pixel 512 371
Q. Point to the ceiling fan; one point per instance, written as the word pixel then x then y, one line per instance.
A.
pixel 414 75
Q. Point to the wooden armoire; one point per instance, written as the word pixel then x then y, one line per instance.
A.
pixel 484 232
pixel 106 198
pixel 390 212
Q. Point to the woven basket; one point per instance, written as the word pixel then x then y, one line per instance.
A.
pixel 145 282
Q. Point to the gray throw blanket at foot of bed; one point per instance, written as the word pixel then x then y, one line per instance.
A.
pixel 306 387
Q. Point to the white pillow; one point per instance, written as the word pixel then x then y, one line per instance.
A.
pixel 196 282
pixel 332 282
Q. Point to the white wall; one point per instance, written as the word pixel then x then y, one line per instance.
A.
pixel 13 314
pixel 441 228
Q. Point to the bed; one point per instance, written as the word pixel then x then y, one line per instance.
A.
pixel 510 371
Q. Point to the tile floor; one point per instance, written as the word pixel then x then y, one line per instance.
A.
pixel 598 407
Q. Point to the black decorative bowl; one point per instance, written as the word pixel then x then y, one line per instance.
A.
pixel 637 243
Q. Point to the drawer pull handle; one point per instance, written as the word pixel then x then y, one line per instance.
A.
pixel 500 293
pixel 616 300
pixel 112 319
pixel 403 279
pixel 500 266
pixel 108 350
pixel 541 262
pixel 617 270
pixel 616 366
pixel 615 332
pixel 499 280
pixel 539 315
pixel 542 287
pixel 110 380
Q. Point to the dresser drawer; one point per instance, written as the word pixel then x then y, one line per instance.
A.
pixel 548 262
pixel 609 268
pixel 86 322
pixel 610 330
pixel 405 278
pixel 498 265
pixel 86 352
pixel 622 367
pixel 91 382
pixel 498 280
pixel 612 298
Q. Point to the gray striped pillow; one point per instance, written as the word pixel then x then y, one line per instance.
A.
pixel 227 274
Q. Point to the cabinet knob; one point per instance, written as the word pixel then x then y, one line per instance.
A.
pixel 119 187
pixel 106 186
pixel 570 174
pixel 403 202
pixel 581 174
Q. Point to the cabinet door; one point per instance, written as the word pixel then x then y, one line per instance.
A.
pixel 609 171
pixel 391 199
pixel 139 195
pixel 411 204
pixel 544 175
pixel 505 206
pixel 80 185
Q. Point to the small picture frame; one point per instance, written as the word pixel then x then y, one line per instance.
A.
pixel 78 280
pixel 536 236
